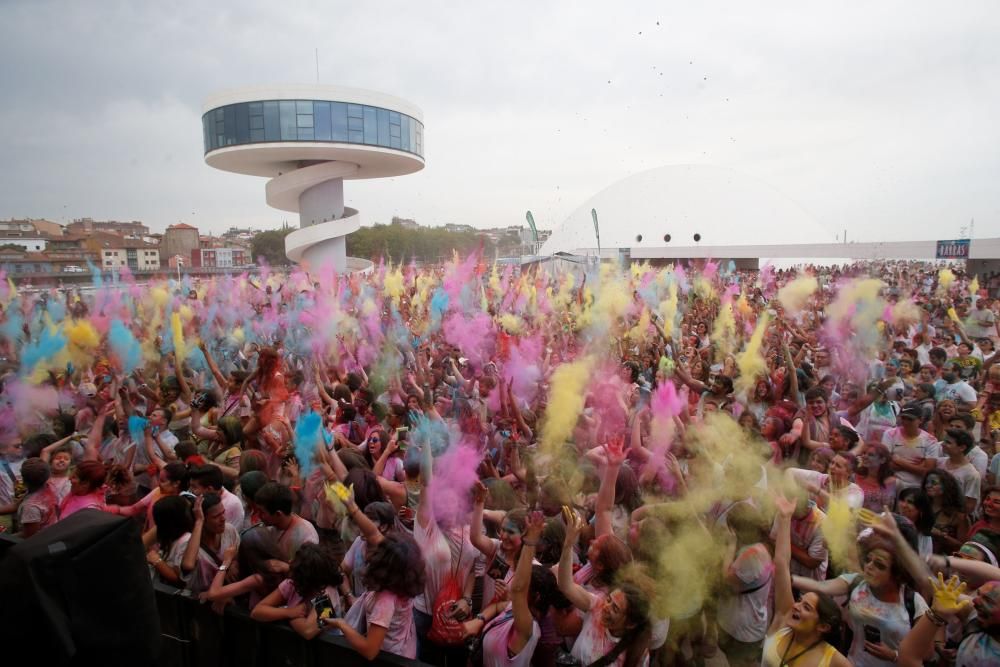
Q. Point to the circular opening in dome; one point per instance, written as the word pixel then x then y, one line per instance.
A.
pixel 666 238
pixel 638 238
pixel 697 237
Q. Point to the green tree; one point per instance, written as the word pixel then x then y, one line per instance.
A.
pixel 425 244
pixel 271 246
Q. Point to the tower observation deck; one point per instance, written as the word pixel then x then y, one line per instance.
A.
pixel 309 139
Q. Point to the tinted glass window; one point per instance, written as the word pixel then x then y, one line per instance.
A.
pixel 288 126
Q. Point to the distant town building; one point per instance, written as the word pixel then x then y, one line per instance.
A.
pixel 179 240
pixel 28 238
pixel 219 257
pixel 405 223
pixel 89 225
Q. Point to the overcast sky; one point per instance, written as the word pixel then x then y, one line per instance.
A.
pixel 877 117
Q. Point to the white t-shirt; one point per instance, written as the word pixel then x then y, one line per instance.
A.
pixel 966 475
pixel 980 460
pixel 891 620
pixel 743 614
pixel 209 562
pixel 594 640
pixel 915 450
pixel 233 507
pixel 959 392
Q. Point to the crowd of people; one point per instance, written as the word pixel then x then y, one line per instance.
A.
pixel 473 464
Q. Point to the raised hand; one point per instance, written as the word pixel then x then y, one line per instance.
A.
pixel 784 506
pixel 479 493
pixel 574 525
pixel 614 450
pixel 948 600
pixel 199 513
pixel 534 525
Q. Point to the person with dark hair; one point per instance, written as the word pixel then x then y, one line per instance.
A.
pixel 209 479
pixel 381 619
pixel 168 540
pixel 956 446
pixel 914 504
pixel 274 502
pixel 39 507
pixel 173 479
pixel 912 449
pixel 802 633
pixel 884 601
pixel 86 489
pixel 509 632
pixel 874 477
pixel 254 558
pixel 615 624
pixel 951 522
pixel 747 576
pixel 812 425
pixel 384 516
pixel 309 595
pixel 211 538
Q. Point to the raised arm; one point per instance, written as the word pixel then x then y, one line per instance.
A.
pixel 369 531
pixel 783 597
pixel 574 592
pixel 190 559
pixel 426 472
pixel 520 584
pixel 606 494
pixel 220 379
pixel 479 540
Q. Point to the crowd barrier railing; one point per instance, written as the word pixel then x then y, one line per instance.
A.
pixel 195 636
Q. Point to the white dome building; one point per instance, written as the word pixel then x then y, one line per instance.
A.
pixel 688 211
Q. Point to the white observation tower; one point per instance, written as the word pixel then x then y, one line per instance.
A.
pixel 309 139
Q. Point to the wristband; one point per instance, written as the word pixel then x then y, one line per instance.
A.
pixel 530 543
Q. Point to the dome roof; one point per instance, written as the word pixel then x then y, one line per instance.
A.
pixel 723 207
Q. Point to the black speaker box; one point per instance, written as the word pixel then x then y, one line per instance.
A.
pixel 79 593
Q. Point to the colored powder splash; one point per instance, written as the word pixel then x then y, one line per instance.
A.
pixel 12 328
pixel 32 404
pixel 473 335
pixel 83 341
pixel 137 429
pixel 125 346
pixel 454 475
pixel 668 309
pixel 565 403
pixel 945 279
pixel 974 286
pixel 839 531
pixel 750 361
pixel 724 328
pixel 177 333
pixel 50 343
pixel 794 295
pixel 308 435
pixel 905 312
pixel 511 323
pixel 393 284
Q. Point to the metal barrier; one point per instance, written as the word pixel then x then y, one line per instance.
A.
pixel 195 636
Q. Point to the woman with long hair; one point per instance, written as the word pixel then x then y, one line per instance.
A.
pixel 803 632
pixel 168 539
pixel 171 481
pixel 883 602
pixel 616 628
pixel 943 414
pixel 309 594
pixel 874 476
pixel 951 523
pixel 382 618
pixel 914 504
pixel 86 489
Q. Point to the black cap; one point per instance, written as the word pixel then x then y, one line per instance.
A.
pixel 911 413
